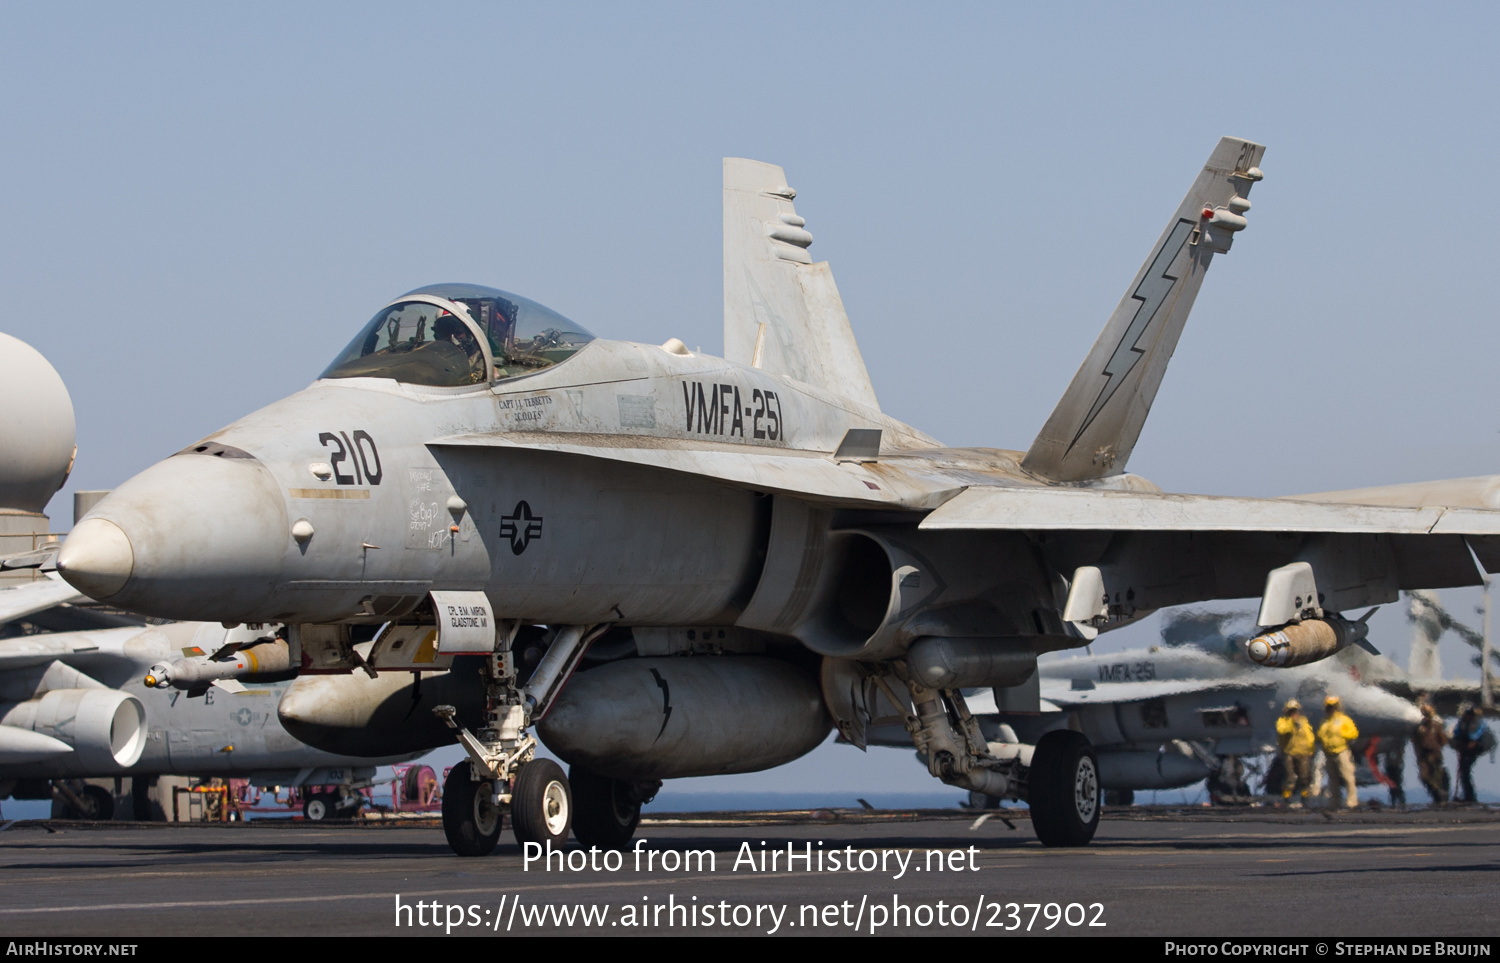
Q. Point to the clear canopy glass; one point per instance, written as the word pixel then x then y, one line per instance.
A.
pixel 432 336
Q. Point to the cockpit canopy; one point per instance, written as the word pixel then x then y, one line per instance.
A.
pixel 450 335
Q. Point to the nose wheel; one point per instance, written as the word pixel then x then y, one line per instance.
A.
pixel 541 804
pixel 471 820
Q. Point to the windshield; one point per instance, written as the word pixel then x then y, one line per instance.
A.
pixel 428 338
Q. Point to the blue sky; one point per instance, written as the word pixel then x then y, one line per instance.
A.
pixel 200 203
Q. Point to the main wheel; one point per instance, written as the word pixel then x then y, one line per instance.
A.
pixel 318 806
pixel 348 808
pixel 605 811
pixel 98 803
pixel 471 820
pixel 541 804
pixel 1063 789
pixel 140 798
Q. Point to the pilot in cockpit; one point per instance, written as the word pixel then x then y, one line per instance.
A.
pixel 450 329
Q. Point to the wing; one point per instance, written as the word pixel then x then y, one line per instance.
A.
pixel 782 312
pixel 1061 509
pixel 1151 549
pixel 810 475
pixel 917 483
pixel 1114 693
pixel 1094 428
pixel 33 597
pixel 1482 492
pixel 29 650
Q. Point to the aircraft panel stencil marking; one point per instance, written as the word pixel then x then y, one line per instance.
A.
pixel 530 408
pixel 637 411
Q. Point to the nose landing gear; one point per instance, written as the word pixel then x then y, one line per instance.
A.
pixel 471 819
pixel 502 774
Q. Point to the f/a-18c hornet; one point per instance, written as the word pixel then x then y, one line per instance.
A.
pixel 747 547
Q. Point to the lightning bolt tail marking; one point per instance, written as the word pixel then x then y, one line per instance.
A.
pixel 1152 292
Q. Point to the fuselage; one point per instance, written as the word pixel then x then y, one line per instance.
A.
pixel 352 499
pixel 1149 696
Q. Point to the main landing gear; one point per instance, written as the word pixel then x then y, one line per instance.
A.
pixel 1063 789
pixel 1058 778
pixel 607 811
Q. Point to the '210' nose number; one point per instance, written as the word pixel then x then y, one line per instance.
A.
pixel 358 450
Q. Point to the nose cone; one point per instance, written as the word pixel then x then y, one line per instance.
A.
pixel 197 536
pixel 97 558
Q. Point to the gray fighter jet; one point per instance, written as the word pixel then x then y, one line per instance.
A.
pixel 73 704
pixel 1168 716
pixel 748 543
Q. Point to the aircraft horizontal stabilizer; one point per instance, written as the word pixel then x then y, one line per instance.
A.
pixel 782 312
pixel 1094 428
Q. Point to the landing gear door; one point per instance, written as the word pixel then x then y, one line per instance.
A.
pixel 465 623
pixel 408 648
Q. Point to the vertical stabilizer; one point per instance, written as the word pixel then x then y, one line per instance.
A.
pixel 1095 426
pixel 782 312
pixel 1426 617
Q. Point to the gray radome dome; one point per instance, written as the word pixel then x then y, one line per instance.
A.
pixel 37 431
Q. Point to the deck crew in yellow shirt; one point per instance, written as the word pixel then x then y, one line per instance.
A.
pixel 1294 734
pixel 1336 732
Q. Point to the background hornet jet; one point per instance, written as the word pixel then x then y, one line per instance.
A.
pixel 1172 715
pixel 73 699
pixel 750 546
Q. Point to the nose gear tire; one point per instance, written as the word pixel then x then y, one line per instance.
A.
pixel 541 804
pixel 471 820
pixel 606 811
pixel 1063 789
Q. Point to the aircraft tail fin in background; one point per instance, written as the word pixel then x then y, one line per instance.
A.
pixel 782 312
pixel 1094 428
